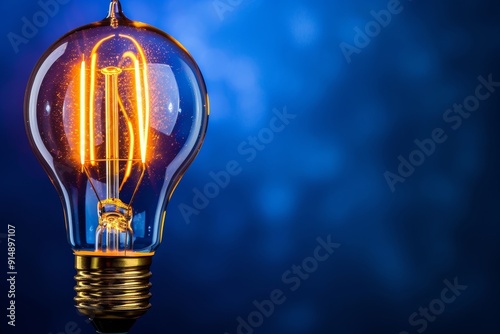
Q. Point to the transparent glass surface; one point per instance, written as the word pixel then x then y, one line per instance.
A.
pixel 116 112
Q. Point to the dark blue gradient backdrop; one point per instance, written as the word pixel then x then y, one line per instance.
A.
pixel 315 106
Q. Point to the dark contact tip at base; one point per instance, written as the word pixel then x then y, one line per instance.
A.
pixel 112 326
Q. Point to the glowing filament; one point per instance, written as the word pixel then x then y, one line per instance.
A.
pixel 82 112
pixel 143 115
pixel 93 70
pixel 91 108
pixel 128 170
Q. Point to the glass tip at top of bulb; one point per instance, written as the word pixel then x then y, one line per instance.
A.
pixel 115 13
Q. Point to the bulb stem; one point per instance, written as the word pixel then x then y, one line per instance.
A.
pixel 112 132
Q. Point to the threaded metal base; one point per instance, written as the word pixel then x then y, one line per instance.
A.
pixel 112 291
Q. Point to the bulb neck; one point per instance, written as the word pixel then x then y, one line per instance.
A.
pixel 112 291
pixel 115 13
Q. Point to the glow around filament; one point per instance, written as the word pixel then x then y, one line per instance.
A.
pixel 136 126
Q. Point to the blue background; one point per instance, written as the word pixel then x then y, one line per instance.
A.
pixel 322 175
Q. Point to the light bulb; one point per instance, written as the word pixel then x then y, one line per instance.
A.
pixel 115 111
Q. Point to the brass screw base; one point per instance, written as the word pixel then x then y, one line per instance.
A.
pixel 112 291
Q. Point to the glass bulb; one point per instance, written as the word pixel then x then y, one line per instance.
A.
pixel 115 111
